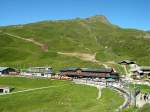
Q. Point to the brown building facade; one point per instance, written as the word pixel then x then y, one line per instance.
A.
pixel 89 73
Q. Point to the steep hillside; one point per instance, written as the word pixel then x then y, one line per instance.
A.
pixel 39 43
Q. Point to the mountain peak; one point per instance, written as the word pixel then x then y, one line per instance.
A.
pixel 99 18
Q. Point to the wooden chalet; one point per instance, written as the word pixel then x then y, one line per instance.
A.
pixel 96 73
pixel 89 73
pixel 71 72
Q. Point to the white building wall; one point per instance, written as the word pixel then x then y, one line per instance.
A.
pixel 6 91
pixel 35 74
pixel 134 67
pixel 26 74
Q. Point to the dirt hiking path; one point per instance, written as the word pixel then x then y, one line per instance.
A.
pixel 43 46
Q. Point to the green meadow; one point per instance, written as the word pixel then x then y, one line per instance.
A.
pixel 63 96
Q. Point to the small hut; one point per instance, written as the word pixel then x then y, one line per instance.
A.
pixel 4 89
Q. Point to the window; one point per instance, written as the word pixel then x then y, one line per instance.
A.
pixel 1 90
pixel 42 74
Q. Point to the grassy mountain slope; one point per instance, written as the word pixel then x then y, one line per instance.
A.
pixel 92 35
pixel 19 53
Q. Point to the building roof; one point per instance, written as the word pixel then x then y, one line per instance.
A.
pixel 70 69
pixel 145 68
pixel 40 70
pixel 40 67
pixel 4 87
pixel 127 62
pixel 3 68
pixel 100 70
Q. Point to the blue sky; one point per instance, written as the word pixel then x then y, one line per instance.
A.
pixel 125 13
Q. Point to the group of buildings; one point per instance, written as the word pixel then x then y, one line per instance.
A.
pixel 136 70
pixel 75 72
pixel 71 72
pixel 32 71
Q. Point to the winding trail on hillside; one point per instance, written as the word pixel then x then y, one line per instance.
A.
pixel 85 57
pixel 34 89
pixel 82 56
pixel 29 40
